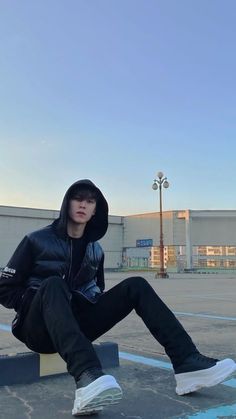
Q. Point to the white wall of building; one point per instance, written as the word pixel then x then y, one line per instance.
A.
pixel 147 226
pixel 112 242
pixel 214 228
pixel 15 222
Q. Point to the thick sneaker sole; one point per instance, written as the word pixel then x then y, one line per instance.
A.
pixel 104 391
pixel 189 382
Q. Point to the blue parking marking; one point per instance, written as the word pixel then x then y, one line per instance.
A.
pixel 161 364
pixel 212 413
pixel 146 361
pixel 5 327
pixel 230 383
pixel 207 316
pixel 216 412
pixel 178 313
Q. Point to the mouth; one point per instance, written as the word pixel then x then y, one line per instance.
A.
pixel 80 213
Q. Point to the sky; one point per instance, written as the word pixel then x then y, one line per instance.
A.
pixel 116 91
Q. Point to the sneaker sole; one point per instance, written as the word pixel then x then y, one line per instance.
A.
pixel 87 412
pixel 193 381
pixel 92 399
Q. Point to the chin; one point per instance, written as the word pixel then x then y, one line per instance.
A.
pixel 78 221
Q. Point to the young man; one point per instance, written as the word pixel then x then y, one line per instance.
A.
pixel 55 283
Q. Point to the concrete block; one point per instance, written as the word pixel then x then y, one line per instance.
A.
pixel 19 368
pixel 28 367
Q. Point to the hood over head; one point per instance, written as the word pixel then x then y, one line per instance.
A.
pixel 97 226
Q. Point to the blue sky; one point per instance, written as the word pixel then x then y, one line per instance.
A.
pixel 115 91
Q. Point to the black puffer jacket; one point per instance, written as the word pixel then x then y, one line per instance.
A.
pixel 47 252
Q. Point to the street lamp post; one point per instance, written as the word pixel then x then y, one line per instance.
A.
pixel 158 183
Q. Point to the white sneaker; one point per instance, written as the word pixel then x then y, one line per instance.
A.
pixel 101 392
pixel 190 381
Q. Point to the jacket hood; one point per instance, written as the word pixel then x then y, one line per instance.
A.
pixel 97 226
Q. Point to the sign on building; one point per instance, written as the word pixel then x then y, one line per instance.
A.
pixel 144 243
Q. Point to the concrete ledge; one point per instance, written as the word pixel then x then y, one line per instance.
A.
pixel 28 367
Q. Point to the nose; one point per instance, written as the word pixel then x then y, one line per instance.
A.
pixel 82 203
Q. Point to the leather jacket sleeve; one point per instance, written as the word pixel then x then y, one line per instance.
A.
pixel 14 275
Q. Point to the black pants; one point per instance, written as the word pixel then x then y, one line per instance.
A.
pixel 58 322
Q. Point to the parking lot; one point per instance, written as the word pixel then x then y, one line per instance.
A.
pixel 205 305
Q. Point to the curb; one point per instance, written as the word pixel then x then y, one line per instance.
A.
pixel 28 367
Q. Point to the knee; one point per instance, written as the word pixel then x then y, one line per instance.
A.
pixel 137 282
pixel 137 289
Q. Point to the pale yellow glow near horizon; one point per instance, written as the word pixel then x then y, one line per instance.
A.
pixel 24 201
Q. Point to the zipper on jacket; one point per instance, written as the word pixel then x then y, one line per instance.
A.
pixel 70 260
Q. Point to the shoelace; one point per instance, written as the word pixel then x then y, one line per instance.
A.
pixel 94 373
pixel 88 376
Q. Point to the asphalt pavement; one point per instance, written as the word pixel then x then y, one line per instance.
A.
pixel 205 305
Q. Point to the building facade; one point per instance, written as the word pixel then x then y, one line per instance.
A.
pixel 15 222
pixel 193 239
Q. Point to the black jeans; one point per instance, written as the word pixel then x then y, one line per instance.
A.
pixel 59 322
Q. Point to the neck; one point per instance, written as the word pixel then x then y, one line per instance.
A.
pixel 75 230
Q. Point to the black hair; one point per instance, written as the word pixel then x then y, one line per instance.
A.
pixel 83 192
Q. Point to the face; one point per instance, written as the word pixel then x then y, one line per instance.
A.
pixel 81 209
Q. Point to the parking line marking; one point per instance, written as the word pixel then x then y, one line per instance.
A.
pixel 230 383
pixel 141 359
pixel 161 364
pixel 212 413
pixel 146 361
pixel 215 412
pixel 5 327
pixel 207 316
